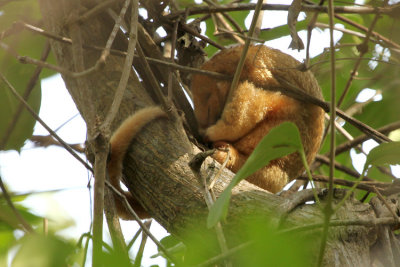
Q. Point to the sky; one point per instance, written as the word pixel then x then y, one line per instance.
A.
pixel 42 169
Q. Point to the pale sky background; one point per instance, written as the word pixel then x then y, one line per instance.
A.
pixel 41 169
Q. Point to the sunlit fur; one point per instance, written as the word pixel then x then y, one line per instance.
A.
pixel 120 142
pixel 254 110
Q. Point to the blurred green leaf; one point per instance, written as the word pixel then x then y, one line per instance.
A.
pixel 7 239
pixel 271 249
pixel 8 220
pixel 238 17
pixel 280 141
pixel 174 246
pixel 384 154
pixel 281 31
pixel 42 251
pixel 25 44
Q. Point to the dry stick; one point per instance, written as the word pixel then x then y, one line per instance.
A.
pixel 195 165
pixel 366 29
pixel 101 141
pixel 141 224
pixel 100 163
pixel 360 139
pixel 218 227
pixel 114 32
pixel 363 50
pixel 364 185
pixel 106 51
pixel 310 27
pixel 233 22
pixel 134 238
pixel 26 227
pixel 86 248
pixel 357 222
pixel 351 32
pixel 296 93
pixel 119 93
pixel 29 87
pixel 139 254
pixel 220 17
pixel 258 23
pixel 328 211
pixel 326 160
pixel 152 79
pixel 127 69
pixel 13 30
pixel 28 60
pixel 121 54
pixel 242 59
pixel 172 56
pixel 213 261
pixel 202 37
pixel 47 140
pixel 257 40
pixel 395 216
pixel 96 10
pixel 52 133
pixel 278 7
pixel 374 134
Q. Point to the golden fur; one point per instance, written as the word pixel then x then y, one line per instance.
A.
pixel 240 124
pixel 120 142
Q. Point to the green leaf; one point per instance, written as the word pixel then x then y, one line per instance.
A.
pixel 385 153
pixel 219 209
pixel 28 44
pixel 281 31
pixel 46 251
pixel 280 141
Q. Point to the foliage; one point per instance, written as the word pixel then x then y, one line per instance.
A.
pixel 379 70
pixel 25 44
pixel 280 141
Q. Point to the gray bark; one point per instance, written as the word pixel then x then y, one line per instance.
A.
pixel 156 169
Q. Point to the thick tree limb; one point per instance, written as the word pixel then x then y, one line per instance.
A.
pixel 156 169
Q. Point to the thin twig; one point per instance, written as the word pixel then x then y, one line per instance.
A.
pixel 127 69
pixel 100 165
pixel 101 140
pixel 134 238
pixel 121 54
pixel 139 254
pixel 172 57
pixel 114 32
pixel 326 160
pixel 363 185
pixel 390 209
pixel 242 59
pixel 328 211
pixel 24 224
pixel 96 10
pixel 152 79
pixel 195 165
pixel 278 7
pixel 52 133
pixel 213 261
pixel 362 138
pixel 29 87
pixel 28 60
pixel 366 29
pixel 141 224
pixel 363 49
pixel 202 37
pixel 310 27
pixel 336 223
